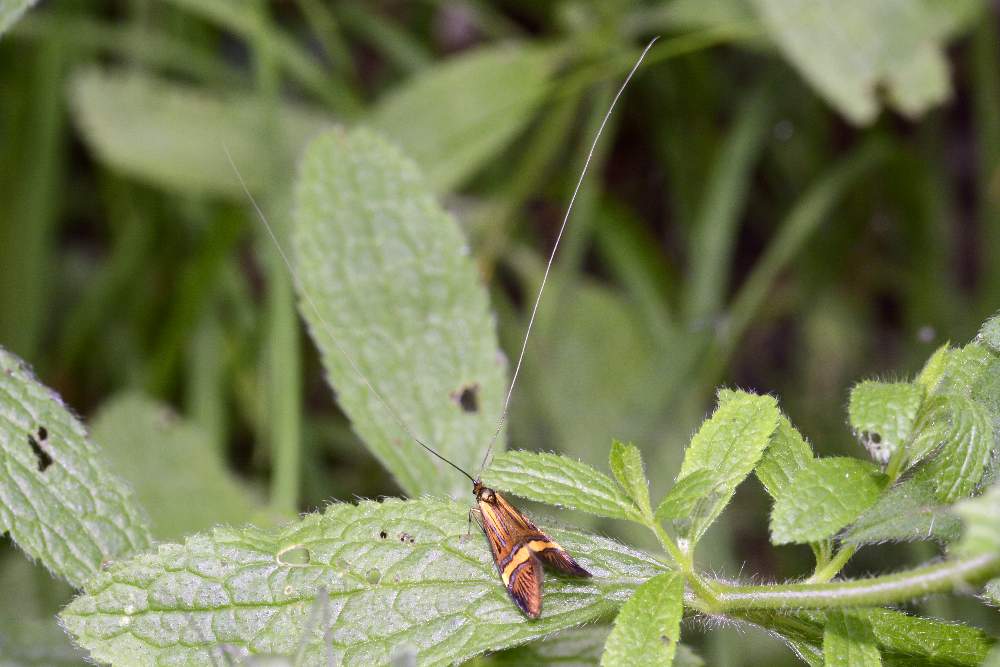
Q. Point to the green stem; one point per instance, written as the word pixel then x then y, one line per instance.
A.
pixel 828 570
pixel 874 591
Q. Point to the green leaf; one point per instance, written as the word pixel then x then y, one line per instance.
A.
pixel 848 642
pixel 648 626
pixel 386 277
pixel 173 136
pixel 11 11
pixel 934 368
pixel 850 49
pixel 454 117
pixel 684 496
pixel 425 585
pixel 577 647
pixel 909 511
pixel 961 432
pixel 928 641
pixel 981 516
pixel 165 459
pixel 989 334
pixel 829 494
pixel 729 444
pixel 883 415
pixel 626 464
pixel 991 591
pixel 561 481
pixel 59 502
pixel 787 452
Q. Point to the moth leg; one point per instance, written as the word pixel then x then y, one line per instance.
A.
pixel 478 514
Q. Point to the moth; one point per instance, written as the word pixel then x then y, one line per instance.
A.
pixel 519 548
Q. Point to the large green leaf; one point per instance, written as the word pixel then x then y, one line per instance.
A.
pixel 728 445
pixel 648 626
pixel 387 575
pixel 11 11
pixel 849 50
pixel 848 641
pixel 452 118
pixel 386 278
pixel 58 500
pixel 883 416
pixel 173 136
pixel 167 460
pixel 909 511
pixel 562 481
pixel 828 494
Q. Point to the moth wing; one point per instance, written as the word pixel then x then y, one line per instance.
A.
pixel 555 556
pixel 525 587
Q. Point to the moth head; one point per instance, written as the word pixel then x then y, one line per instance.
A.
pixel 482 492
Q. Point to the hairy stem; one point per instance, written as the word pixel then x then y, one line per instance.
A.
pixel 874 591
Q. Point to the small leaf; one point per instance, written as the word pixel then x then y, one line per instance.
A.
pixel 561 481
pixel 453 117
pixel 648 626
pixel 883 415
pixel 787 452
pixel 387 278
pixel 851 49
pixel 926 640
pixel 686 494
pixel 256 590
pixel 626 464
pixel 848 642
pixel 934 368
pixel 829 494
pixel 58 500
pixel 171 466
pixel 991 592
pixel 981 516
pixel 907 512
pixel 729 444
pixel 172 135
pixel 989 334
pixel 961 433
pixel 11 11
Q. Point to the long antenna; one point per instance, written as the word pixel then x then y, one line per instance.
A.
pixel 555 247
pixel 329 329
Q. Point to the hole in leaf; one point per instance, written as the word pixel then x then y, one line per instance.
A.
pixel 43 434
pixel 406 537
pixel 467 397
pixel 382 534
pixel 295 555
pixel 876 438
pixel 44 460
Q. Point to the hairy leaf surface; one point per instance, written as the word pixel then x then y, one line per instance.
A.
pixel 424 585
pixel 648 626
pixel 59 501
pixel 386 278
pixel 848 641
pixel 907 512
pixel 729 444
pixel 626 464
pixel 787 452
pixel 561 481
pixel 883 416
pixel 829 494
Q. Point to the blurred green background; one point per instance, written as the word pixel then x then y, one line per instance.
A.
pixel 793 196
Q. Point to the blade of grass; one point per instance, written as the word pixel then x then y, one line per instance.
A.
pixel 26 238
pixel 299 65
pixel 713 238
pixel 793 233
pixel 284 365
